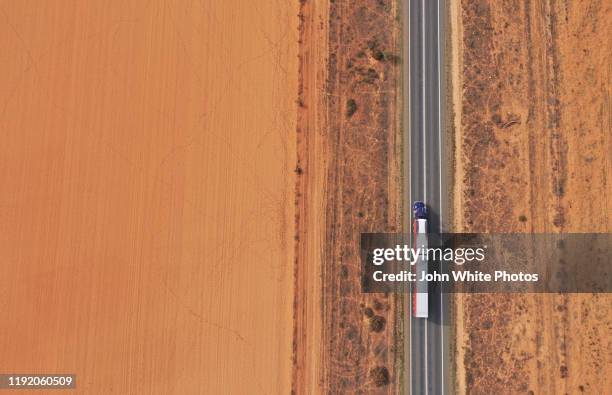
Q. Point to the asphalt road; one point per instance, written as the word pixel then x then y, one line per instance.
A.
pixel 427 345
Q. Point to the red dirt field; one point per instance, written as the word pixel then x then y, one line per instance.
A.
pixel 146 194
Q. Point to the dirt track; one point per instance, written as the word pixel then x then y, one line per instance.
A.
pixel 532 123
pixel 146 189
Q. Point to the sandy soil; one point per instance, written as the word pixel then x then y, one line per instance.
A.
pixel 146 189
pixel 348 183
pixel 532 124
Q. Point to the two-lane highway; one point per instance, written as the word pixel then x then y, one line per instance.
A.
pixel 427 339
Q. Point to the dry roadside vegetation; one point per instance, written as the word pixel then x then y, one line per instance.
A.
pixel 348 183
pixel 362 193
pixel 533 130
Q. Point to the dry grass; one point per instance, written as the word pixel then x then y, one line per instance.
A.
pixel 351 180
pixel 533 156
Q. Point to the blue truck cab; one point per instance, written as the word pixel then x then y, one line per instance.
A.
pixel 419 209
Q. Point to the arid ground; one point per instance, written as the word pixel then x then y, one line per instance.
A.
pixel 348 183
pixel 182 189
pixel 146 190
pixel 533 154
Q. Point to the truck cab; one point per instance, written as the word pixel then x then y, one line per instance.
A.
pixel 419 210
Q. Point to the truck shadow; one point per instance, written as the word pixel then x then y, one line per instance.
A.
pixel 435 288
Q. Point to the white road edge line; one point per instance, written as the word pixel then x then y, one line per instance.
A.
pixel 441 203
pixel 424 109
pixel 425 174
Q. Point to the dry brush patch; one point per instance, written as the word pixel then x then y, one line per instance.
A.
pixel 362 193
pixel 535 118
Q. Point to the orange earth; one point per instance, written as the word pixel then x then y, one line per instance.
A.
pixel 146 186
